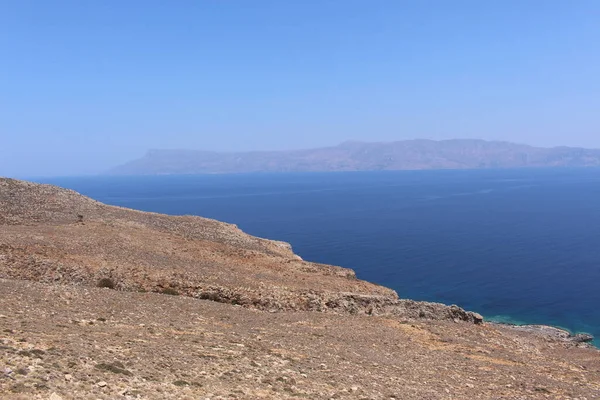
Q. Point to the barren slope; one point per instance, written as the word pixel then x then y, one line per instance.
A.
pixel 43 239
pixel 63 337
pixel 90 343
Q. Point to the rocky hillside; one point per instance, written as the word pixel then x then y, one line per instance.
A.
pixel 361 156
pixel 102 302
pixel 76 342
pixel 54 235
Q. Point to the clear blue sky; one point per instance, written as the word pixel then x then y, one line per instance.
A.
pixel 85 85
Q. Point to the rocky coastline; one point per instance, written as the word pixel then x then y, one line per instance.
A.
pixel 102 302
pixel 548 331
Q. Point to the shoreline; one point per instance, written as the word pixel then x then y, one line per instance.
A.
pixel 562 334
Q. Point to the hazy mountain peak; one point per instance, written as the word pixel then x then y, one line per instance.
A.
pixel 364 156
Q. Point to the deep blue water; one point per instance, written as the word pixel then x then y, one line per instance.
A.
pixel 514 245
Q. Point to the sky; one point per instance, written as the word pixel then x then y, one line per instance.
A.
pixel 87 85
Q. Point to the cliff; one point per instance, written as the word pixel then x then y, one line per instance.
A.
pixel 106 302
pixel 362 156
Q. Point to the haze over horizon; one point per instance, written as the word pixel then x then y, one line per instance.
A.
pixel 87 86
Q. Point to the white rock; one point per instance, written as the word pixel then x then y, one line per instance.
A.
pixel 102 384
pixel 54 396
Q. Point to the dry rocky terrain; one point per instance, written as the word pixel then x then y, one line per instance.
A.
pixel 102 302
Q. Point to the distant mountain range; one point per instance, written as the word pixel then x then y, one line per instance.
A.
pixel 363 156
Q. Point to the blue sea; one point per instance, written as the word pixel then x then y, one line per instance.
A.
pixel 518 246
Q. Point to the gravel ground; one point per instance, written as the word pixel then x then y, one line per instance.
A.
pixel 91 343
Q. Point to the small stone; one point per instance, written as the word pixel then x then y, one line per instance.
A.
pixel 477 318
pixel 68 377
pixel 354 389
pixel 55 396
pixel 470 385
pixel 102 384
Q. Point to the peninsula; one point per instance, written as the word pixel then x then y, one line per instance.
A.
pixel 364 156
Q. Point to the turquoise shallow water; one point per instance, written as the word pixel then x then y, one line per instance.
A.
pixel 515 245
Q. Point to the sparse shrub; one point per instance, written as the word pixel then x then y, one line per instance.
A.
pixel 80 218
pixel 106 283
pixel 18 388
pixel 115 368
pixel 181 383
pixel 170 291
pixel 41 386
pixel 37 352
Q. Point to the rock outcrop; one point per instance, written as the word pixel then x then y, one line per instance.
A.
pixel 578 339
